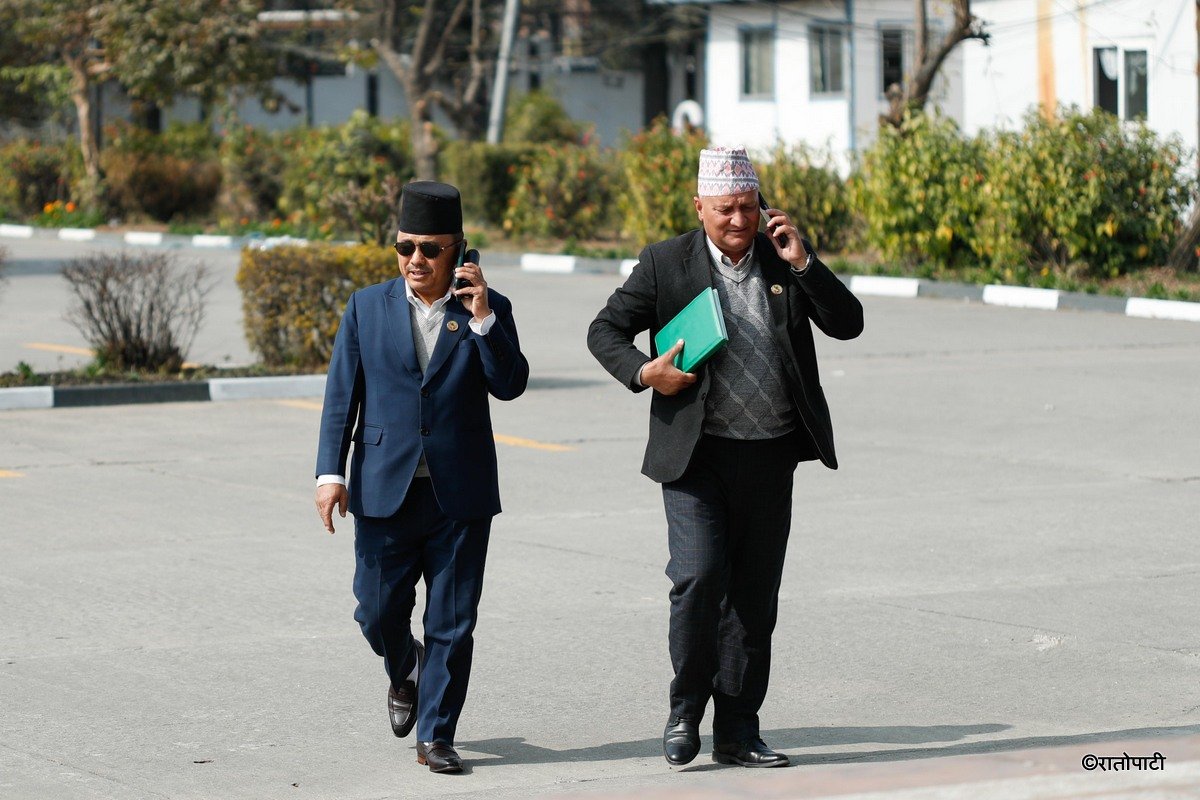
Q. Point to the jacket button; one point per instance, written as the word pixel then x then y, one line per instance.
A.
pixel 424 393
pixel 424 431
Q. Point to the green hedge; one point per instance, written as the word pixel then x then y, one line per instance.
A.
pixel 564 192
pixel 658 182
pixel 811 191
pixel 486 175
pixel 1077 194
pixel 35 175
pixel 293 297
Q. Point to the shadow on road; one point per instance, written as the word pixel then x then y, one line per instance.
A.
pixel 518 751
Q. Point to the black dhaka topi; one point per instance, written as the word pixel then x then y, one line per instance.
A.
pixel 429 208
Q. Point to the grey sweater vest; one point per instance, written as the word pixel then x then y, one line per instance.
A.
pixel 747 398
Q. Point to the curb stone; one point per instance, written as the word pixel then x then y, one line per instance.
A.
pixel 217 389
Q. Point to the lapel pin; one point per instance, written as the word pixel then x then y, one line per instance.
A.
pixel 452 326
pixel 776 289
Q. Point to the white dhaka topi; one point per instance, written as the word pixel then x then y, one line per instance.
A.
pixel 724 171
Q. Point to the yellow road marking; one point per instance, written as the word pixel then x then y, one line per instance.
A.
pixel 60 348
pixel 515 441
pixel 8 473
pixel 308 405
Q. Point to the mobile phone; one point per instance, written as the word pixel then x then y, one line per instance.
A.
pixel 762 203
pixel 464 255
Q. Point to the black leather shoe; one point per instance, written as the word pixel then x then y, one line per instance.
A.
pixel 402 700
pixel 681 741
pixel 753 753
pixel 439 756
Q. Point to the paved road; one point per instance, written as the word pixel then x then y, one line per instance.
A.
pixel 1007 560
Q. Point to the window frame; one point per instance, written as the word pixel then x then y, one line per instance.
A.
pixel 756 35
pixel 1122 75
pixel 821 31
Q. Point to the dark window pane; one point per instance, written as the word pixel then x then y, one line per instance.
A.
pixel 891 44
pixel 1136 94
pixel 1105 68
pixel 816 72
pixel 837 81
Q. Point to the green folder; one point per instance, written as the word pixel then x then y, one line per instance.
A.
pixel 701 325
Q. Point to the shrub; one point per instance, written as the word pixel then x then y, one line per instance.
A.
pixel 138 311
pixel 362 152
pixel 370 213
pixel 1083 188
pixel 67 215
pixel 161 187
pixel 564 192
pixel 658 182
pixel 293 297
pixel 538 118
pixel 486 174
pixel 33 175
pixel 188 140
pixel 805 183
pixel 253 162
pixel 918 191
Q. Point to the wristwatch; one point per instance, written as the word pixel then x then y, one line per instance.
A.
pixel 812 256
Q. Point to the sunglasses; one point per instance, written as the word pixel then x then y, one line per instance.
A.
pixel 430 250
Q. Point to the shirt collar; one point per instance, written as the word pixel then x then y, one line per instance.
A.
pixel 720 258
pixel 420 305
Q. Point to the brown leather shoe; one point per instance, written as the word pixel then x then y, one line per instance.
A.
pixel 440 757
pixel 402 700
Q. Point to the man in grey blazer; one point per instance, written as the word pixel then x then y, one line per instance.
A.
pixel 725 441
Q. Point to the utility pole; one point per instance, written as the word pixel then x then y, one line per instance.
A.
pixel 512 9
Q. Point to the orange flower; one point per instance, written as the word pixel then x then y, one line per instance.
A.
pixel 70 207
pixel 46 209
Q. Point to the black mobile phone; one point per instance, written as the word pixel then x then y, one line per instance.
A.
pixel 762 203
pixel 464 255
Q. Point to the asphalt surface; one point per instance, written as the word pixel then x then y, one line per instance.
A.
pixel 1005 564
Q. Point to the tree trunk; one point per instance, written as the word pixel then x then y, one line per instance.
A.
pixel 81 96
pixel 1186 252
pixel 424 143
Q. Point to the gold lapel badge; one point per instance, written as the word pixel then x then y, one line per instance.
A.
pixel 776 289
pixel 452 326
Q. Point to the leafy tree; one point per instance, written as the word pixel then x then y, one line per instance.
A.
pixel 156 50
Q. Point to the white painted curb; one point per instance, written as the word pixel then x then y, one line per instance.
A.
pixel 151 238
pixel 1162 309
pixel 283 386
pixel 883 286
pixel 16 231
pixel 26 397
pixel 76 234
pixel 627 266
pixel 537 262
pixel 1021 297
pixel 209 240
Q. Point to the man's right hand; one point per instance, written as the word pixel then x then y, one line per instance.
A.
pixel 328 496
pixel 663 376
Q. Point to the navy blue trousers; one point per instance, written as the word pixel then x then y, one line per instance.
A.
pixel 391 554
pixel 728 519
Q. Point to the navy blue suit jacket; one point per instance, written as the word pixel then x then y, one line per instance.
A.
pixel 376 396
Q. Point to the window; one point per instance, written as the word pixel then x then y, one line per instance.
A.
pixel 758 62
pixel 1135 84
pixel 891 57
pixel 1121 81
pixel 826 60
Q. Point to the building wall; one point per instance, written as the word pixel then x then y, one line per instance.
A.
pixel 1004 77
pixel 795 113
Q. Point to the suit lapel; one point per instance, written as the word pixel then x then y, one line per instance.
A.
pixel 697 270
pixel 456 318
pixel 400 323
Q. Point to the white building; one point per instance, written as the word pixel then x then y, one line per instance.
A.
pixel 815 71
pixel 1135 58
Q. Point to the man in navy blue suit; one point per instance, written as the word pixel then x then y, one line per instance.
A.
pixel 413 364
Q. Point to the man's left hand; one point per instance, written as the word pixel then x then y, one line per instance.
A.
pixel 778 223
pixel 474 297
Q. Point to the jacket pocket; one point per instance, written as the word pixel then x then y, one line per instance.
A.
pixel 369 434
